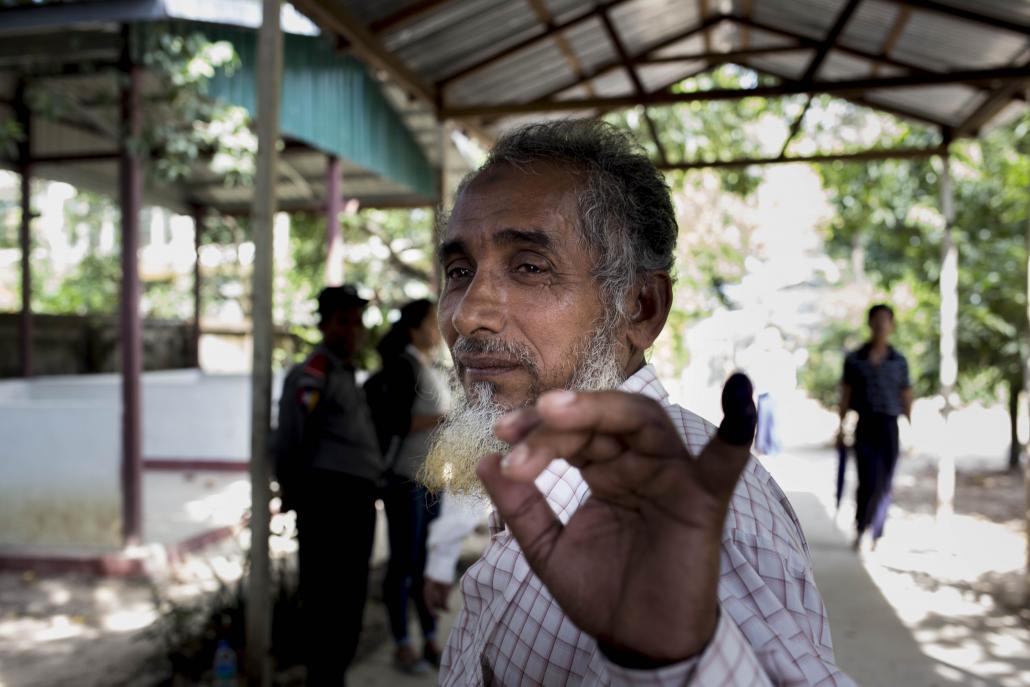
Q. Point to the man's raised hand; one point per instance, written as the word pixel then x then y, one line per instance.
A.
pixel 637 565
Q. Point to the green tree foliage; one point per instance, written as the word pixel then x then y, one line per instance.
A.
pixel 92 287
pixel 190 126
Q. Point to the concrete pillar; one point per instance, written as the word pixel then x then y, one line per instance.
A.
pixel 24 117
pixel 263 208
pixel 334 275
pixel 130 180
pixel 1026 385
pixel 198 231
pixel 948 342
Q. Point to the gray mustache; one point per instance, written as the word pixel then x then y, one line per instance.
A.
pixel 508 349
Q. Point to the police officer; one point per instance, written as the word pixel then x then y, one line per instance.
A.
pixel 328 464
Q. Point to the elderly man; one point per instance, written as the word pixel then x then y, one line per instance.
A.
pixel 632 542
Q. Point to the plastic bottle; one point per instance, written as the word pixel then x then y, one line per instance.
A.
pixel 225 665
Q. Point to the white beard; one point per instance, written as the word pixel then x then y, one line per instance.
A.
pixel 466 435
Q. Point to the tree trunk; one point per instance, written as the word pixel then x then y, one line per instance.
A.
pixel 1015 448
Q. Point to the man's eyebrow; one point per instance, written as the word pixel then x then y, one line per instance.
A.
pixel 504 237
pixel 536 237
pixel 452 247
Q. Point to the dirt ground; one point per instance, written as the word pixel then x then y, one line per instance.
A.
pixel 986 495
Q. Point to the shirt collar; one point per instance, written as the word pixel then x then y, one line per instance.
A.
pixel 645 382
pixel 865 349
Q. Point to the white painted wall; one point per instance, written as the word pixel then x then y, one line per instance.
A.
pixel 59 474
pixel 60 447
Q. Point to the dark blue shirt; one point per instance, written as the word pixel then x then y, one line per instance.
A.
pixel 876 388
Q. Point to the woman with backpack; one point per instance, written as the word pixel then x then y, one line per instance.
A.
pixel 408 398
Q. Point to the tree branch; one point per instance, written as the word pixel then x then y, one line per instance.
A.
pixel 395 259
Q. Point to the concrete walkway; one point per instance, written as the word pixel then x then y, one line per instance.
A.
pixel 872 643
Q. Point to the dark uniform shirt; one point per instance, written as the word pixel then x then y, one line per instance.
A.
pixel 876 388
pixel 348 440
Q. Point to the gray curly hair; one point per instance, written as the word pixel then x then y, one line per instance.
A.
pixel 626 214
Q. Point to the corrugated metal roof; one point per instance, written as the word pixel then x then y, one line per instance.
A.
pixel 521 77
pixel 809 18
pixel 948 103
pixel 657 76
pixel 790 65
pixel 487 62
pixel 590 43
pixel 643 23
pixel 452 38
pixel 939 43
pixel 469 46
pixel 865 30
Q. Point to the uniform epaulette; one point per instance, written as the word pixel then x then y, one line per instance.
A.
pixel 317 365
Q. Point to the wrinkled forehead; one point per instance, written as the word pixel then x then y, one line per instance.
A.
pixel 543 196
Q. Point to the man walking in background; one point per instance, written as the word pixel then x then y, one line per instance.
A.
pixel 875 385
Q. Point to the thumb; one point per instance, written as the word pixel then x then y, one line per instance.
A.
pixel 727 454
pixel 525 511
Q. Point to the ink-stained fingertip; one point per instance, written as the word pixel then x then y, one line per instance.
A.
pixel 740 417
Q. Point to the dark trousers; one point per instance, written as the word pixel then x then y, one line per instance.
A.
pixel 876 454
pixel 336 523
pixel 409 510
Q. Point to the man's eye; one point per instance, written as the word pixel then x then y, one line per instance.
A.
pixel 455 273
pixel 529 268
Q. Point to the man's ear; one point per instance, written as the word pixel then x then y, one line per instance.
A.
pixel 648 309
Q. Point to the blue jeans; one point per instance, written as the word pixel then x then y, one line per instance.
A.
pixel 409 510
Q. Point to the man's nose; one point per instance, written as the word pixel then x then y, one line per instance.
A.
pixel 483 306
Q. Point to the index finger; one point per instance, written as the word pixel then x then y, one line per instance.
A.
pixel 588 423
pixel 604 412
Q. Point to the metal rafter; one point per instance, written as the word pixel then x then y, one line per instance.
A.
pixel 994 104
pixel 720 57
pixel 544 15
pixel 334 17
pixel 844 87
pixel 617 63
pixel 405 14
pixel 745 32
pixel 829 41
pixel 702 11
pixel 811 43
pixel 864 155
pixel 862 101
pixel 803 43
pixel 814 44
pixel 522 45
pixel 638 85
pixel 900 22
pixel 966 15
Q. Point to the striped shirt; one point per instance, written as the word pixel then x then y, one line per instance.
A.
pixel 772 626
